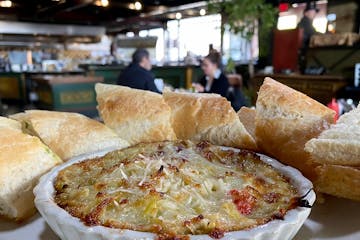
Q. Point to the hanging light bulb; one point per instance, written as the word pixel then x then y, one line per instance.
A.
pixel 137 5
pixel 5 4
pixel 178 15
pixel 102 3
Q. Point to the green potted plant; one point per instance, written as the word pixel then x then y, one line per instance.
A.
pixel 245 17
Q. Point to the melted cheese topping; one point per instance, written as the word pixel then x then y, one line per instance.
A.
pixel 175 189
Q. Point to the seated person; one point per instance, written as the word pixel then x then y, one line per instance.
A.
pixel 138 74
pixel 235 95
pixel 214 81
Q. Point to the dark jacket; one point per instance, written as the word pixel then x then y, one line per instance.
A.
pixel 309 30
pixel 135 76
pixel 220 85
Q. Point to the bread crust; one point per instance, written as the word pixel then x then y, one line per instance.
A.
pixel 208 117
pixel 340 181
pixel 135 115
pixel 69 134
pixel 285 120
pixel 23 159
pixel 247 118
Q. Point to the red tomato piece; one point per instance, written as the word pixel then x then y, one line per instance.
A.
pixel 243 201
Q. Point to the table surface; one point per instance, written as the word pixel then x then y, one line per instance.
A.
pixel 336 219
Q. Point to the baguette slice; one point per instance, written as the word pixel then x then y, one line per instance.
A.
pixel 340 181
pixel 135 115
pixel 69 134
pixel 207 117
pixel 247 118
pixel 23 159
pixel 285 120
pixel 340 144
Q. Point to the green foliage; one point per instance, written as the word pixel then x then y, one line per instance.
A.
pixel 243 16
pixel 230 66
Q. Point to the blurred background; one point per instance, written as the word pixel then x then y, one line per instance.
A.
pixel 52 52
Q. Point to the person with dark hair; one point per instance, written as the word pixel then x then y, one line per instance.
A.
pixel 138 74
pixel 306 23
pixel 214 80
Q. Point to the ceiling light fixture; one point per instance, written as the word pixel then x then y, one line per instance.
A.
pixel 102 3
pixel 138 5
pixel 202 12
pixel 105 3
pixel 5 4
pixel 178 15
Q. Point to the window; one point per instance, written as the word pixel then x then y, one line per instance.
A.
pixel 194 35
pixel 287 22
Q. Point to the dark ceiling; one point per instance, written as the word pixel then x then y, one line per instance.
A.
pixel 80 11
pixel 117 16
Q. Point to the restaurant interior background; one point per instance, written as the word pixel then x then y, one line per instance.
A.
pixel 52 52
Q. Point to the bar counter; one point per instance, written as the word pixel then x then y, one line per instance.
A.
pixel 66 93
pixel 320 87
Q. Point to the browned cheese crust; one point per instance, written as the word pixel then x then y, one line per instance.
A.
pixel 175 189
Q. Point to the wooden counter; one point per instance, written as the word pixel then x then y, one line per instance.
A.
pixel 320 88
pixel 176 76
pixel 12 86
pixel 337 60
pixel 67 93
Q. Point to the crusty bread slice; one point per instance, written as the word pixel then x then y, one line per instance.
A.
pixel 207 117
pixel 340 144
pixel 247 118
pixel 23 159
pixel 135 115
pixel 69 134
pixel 340 181
pixel 285 120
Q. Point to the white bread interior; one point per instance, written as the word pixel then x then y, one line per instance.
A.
pixel 340 144
pixel 9 123
pixel 135 115
pixel 207 117
pixel 69 134
pixel 340 181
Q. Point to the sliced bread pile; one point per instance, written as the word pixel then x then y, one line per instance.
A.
pixel 142 116
pixel 337 149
